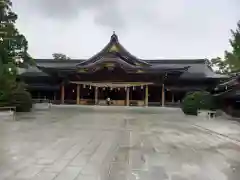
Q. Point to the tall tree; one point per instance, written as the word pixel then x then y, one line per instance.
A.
pixel 60 56
pixel 233 58
pixel 13 49
pixel 231 62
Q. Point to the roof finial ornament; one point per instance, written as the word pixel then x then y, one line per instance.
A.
pixel 114 37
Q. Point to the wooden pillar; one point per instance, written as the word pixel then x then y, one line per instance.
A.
pixel 127 96
pixel 62 93
pixel 78 94
pixel 146 95
pixel 96 95
pixel 163 95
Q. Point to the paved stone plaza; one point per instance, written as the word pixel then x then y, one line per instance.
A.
pixel 118 143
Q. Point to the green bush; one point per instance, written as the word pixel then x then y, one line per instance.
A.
pixel 197 100
pixel 15 94
pixel 6 87
pixel 22 100
pixel 189 105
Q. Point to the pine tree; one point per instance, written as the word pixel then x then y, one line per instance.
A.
pixel 13 49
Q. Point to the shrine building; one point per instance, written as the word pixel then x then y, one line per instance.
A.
pixel 117 74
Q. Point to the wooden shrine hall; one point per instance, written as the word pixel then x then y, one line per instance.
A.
pixel 117 74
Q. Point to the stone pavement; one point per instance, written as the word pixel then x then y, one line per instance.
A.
pixel 117 143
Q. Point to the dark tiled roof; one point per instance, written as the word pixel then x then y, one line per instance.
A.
pixel 32 71
pixel 119 50
pixel 198 68
pixel 232 82
pixel 229 93
pixel 58 63
pixel 176 61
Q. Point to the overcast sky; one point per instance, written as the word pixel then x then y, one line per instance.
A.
pixel 148 29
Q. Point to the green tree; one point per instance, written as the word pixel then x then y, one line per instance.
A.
pixel 219 65
pixel 60 56
pixel 233 58
pixel 231 61
pixel 13 50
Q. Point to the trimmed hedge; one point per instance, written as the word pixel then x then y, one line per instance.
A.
pixel 22 100
pixel 198 100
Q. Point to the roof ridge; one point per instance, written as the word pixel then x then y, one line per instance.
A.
pixel 59 60
pixel 178 61
pixel 153 62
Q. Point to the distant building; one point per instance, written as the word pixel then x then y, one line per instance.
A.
pixel 117 74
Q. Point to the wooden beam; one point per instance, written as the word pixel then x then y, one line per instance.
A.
pixel 112 84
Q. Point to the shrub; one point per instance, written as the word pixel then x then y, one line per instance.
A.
pixel 14 94
pixel 189 105
pixel 6 87
pixel 22 100
pixel 197 100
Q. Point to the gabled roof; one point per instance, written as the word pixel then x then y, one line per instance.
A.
pixel 194 68
pixel 114 48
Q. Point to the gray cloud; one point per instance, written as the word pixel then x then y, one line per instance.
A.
pixel 117 14
pixel 155 28
pixel 105 12
pixel 66 8
pixel 109 15
pixel 114 14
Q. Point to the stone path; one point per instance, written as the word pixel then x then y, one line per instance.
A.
pixel 116 143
